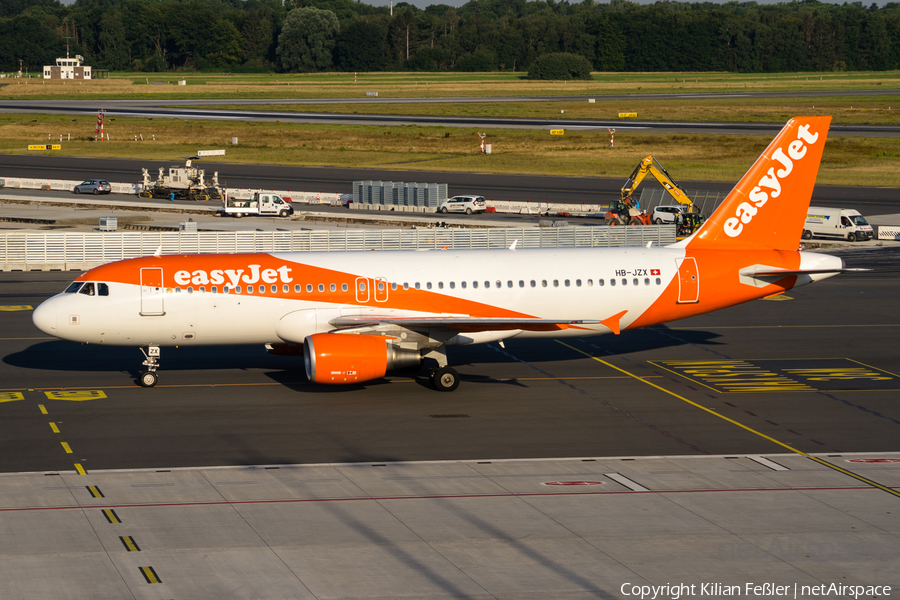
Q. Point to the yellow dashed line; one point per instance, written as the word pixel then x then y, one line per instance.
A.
pixel 53 427
pixel 733 422
pixel 80 469
pixel 43 410
pixel 111 516
pixel 129 543
pixel 94 491
pixel 66 447
pixel 150 575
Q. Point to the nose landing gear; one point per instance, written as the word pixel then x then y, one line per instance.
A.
pixel 149 377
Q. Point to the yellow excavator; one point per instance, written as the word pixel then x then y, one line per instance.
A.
pixel 651 166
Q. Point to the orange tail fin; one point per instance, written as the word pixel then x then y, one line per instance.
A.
pixel 768 206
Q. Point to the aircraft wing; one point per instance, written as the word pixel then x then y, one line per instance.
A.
pixel 460 323
pixel 786 272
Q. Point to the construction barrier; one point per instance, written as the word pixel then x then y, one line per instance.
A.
pixel 888 233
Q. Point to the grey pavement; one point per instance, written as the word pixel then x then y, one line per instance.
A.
pixel 558 528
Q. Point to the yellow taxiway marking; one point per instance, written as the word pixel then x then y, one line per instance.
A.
pixel 778 298
pixel 75 395
pixel 15 307
pixel 733 422
pixel 80 469
pixel 871 367
pixel 43 409
pixel 53 427
pixel 150 575
pixel 11 396
pixel 65 446
pixel 111 516
pixel 129 544
pixel 94 491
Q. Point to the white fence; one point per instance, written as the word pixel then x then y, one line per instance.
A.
pixel 888 233
pixel 74 251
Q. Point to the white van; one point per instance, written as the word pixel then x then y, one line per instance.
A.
pixel 466 204
pixel 842 223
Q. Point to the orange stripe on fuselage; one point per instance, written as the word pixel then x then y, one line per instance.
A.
pixel 720 285
pixel 129 272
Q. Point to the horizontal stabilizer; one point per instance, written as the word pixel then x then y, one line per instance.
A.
pixel 786 272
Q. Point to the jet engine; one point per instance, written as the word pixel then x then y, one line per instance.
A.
pixel 340 358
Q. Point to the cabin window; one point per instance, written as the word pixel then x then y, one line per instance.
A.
pixel 487 284
pixel 73 287
pixel 463 284
pixel 611 282
pixel 296 288
pixel 428 285
pixel 362 286
pixel 418 287
pixel 393 287
pixel 250 289
pixel 237 289
pixel 333 287
pixel 440 285
pixel 202 289
pixel 568 283
pixel 509 283
pixel 533 283
pixel 577 283
pixel 178 290
pixel 452 285
pixel 381 286
pixel 647 281
pixel 344 287
pixel 215 290
pixel 474 284
pixel 624 281
pixel 405 285
pixel 102 289
pixel 590 282
pixel 556 283
pixel 190 289
pixel 658 281
pixel 225 289
pixel 521 283
pixel 544 283
pixel 636 281
pixel 321 287
pixel 309 288
pixel 285 288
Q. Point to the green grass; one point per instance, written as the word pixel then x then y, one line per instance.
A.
pixel 847 161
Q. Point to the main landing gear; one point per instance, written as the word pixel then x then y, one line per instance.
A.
pixel 443 378
pixel 149 377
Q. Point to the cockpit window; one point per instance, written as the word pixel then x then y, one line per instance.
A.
pixel 102 289
pixel 87 289
pixel 73 287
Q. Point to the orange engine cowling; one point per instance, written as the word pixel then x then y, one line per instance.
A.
pixel 340 358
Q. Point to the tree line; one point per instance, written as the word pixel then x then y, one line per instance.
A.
pixel 482 35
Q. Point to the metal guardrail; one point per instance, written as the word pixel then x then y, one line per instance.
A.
pixel 26 251
pixel 705 201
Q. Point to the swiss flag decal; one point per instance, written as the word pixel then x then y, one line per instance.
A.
pixel 654 271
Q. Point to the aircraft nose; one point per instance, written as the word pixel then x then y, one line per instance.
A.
pixel 44 317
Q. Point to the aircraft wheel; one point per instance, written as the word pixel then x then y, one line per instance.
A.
pixel 851 237
pixel 148 379
pixel 445 379
pixel 807 234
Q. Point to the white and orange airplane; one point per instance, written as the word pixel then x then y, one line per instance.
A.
pixel 355 316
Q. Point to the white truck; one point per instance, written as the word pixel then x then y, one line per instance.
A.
pixel 262 203
pixel 843 223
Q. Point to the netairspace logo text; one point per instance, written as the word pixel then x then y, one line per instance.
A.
pixel 679 590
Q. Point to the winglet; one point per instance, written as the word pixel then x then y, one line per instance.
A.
pixel 768 206
pixel 613 322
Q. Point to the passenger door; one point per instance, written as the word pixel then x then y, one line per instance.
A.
pixel 152 292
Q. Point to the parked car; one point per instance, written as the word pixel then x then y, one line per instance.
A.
pixel 666 213
pixel 93 186
pixel 463 204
